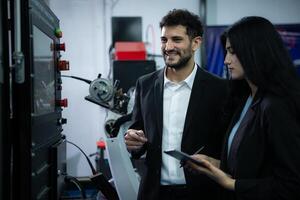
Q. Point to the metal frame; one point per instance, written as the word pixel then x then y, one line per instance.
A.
pixel 5 136
pixel 203 14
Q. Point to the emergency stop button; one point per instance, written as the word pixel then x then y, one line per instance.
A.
pixel 62 103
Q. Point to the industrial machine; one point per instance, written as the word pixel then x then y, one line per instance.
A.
pixel 106 94
pixel 33 151
pixel 32 144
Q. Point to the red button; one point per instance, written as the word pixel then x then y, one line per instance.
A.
pixel 63 65
pixel 60 47
pixel 62 103
pixel 101 144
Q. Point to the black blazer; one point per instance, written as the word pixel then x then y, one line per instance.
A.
pixel 267 163
pixel 202 127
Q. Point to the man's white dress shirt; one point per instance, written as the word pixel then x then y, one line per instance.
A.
pixel 175 103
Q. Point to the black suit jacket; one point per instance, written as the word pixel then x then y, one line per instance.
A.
pixel 202 127
pixel 267 163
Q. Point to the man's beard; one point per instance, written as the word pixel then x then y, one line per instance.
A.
pixel 181 62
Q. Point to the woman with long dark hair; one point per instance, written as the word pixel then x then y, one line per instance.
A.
pixel 261 154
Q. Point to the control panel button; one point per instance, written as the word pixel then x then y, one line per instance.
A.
pixel 59 87
pixel 62 103
pixel 62 121
pixel 63 65
pixel 60 47
pixel 58 33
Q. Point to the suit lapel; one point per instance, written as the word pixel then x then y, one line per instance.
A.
pixel 249 116
pixel 197 92
pixel 158 101
pixel 241 134
pixel 242 128
pixel 233 121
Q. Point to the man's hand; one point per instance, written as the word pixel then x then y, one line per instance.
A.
pixel 135 139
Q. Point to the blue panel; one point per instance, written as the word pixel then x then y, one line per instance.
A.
pixel 214 50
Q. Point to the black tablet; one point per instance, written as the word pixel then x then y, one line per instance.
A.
pixel 183 157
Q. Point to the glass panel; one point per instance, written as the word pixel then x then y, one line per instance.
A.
pixel 44 82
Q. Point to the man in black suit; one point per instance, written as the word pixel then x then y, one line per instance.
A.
pixel 178 107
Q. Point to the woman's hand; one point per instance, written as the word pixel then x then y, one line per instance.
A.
pixel 210 167
pixel 213 161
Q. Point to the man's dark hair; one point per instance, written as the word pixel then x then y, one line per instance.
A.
pixel 185 18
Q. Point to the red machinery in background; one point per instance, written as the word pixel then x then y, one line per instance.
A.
pixel 130 51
